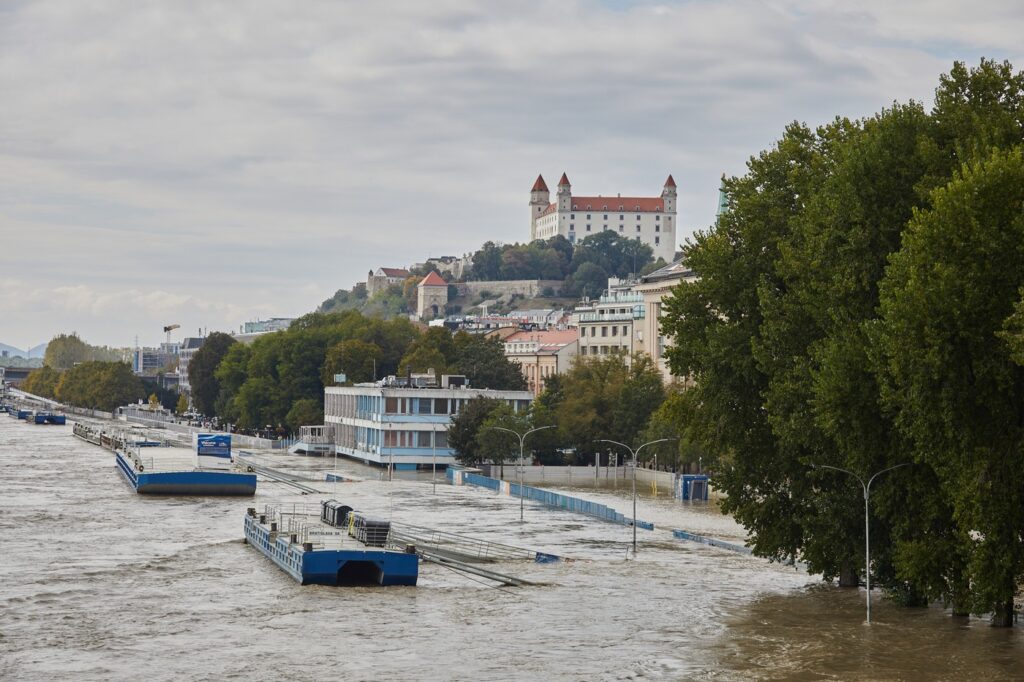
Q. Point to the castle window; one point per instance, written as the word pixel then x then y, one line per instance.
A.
pixel 572 226
pixel 588 207
pixel 637 209
pixel 638 215
pixel 657 217
pixel 637 228
pixel 588 215
pixel 604 227
pixel 605 208
pixel 588 227
pixel 606 215
pixel 657 240
pixel 657 228
pixel 620 228
pixel 573 216
pixel 620 208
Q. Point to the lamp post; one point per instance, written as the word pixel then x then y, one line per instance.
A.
pixel 635 453
pixel 522 438
pixel 867 530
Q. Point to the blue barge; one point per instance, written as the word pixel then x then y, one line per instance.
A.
pixel 316 554
pixel 47 418
pixel 176 479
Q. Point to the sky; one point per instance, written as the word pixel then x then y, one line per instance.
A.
pixel 208 163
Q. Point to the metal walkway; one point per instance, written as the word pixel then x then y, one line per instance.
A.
pixel 290 480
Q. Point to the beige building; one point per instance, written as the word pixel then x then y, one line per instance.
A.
pixel 652 220
pixel 652 289
pixel 431 297
pixel 609 324
pixel 382 278
pixel 541 354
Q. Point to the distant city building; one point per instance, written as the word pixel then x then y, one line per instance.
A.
pixel 654 287
pixel 541 354
pixel 149 361
pixel 609 325
pixel 389 423
pixel 382 278
pixel 189 346
pixel 431 297
pixel 274 324
pixel 454 265
pixel 652 220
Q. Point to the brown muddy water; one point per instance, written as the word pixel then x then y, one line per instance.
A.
pixel 97 583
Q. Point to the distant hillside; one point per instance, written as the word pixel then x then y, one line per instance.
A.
pixel 12 351
pixel 38 351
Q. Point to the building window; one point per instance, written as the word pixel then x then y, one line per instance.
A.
pixel 588 227
pixel 638 216
pixel 657 217
pixel 620 228
pixel 604 227
pixel 624 332
pixel 668 218
pixel 606 215
pixel 572 226
pixel 583 350
pixel 423 439
pixel 615 331
pixel 638 228
pixel 657 228
pixel 604 331
pixel 572 216
pixel 588 215
pixel 657 240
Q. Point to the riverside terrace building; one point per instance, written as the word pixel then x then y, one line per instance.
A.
pixel 652 220
pixel 392 423
pixel 610 325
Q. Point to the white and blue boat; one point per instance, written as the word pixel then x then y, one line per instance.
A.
pixel 175 471
pixel 316 553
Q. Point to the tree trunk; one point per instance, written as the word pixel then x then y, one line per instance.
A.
pixel 848 576
pixel 1002 616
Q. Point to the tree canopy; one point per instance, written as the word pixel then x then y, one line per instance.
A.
pixel 805 349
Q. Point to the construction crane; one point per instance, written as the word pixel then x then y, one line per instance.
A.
pixel 168 329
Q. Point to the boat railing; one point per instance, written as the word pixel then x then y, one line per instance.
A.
pixel 302 523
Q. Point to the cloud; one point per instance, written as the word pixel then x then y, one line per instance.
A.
pixel 259 156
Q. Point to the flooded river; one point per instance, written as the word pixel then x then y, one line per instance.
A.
pixel 97 583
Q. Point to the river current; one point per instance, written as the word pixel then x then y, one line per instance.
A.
pixel 97 583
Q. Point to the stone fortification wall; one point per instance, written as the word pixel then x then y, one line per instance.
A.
pixel 528 288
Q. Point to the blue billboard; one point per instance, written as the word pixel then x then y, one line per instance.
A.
pixel 213 445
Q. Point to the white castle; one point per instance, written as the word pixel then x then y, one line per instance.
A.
pixel 652 220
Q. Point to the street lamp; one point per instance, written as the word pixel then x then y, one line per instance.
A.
pixel 867 529
pixel 635 453
pixel 522 438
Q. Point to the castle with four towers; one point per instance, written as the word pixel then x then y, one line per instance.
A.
pixel 652 220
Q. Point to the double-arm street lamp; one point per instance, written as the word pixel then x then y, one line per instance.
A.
pixel 522 438
pixel 635 453
pixel 867 530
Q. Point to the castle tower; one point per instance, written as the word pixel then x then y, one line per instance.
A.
pixel 564 194
pixel 668 193
pixel 431 297
pixel 540 197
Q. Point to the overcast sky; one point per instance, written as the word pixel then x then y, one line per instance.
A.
pixel 207 163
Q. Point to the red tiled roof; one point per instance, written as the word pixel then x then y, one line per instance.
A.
pixel 624 204
pixel 670 182
pixel 433 280
pixel 395 272
pixel 550 209
pixel 564 180
pixel 540 185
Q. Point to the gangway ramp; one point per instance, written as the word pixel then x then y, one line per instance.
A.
pixel 461 547
pixel 290 480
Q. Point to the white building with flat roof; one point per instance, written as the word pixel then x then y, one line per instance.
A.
pixel 406 428
pixel 652 220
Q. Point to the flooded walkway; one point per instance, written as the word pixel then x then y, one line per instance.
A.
pixel 97 583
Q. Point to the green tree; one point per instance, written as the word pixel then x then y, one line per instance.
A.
pixel 42 382
pixel 64 351
pixel 305 412
pixel 100 385
pixel 356 359
pixel 202 368
pixel 465 427
pixel 483 362
pixel 952 379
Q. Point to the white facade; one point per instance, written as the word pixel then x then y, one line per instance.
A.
pixel 406 428
pixel 610 324
pixel 652 220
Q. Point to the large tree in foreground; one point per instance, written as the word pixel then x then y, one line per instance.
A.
pixel 952 378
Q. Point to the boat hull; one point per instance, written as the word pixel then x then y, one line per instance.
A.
pixel 186 482
pixel 333 567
